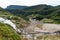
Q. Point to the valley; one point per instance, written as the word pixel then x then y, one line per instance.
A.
pixel 40 22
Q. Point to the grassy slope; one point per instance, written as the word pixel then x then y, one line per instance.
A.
pixel 7 33
pixel 14 18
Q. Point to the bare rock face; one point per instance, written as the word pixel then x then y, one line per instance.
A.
pixel 34 26
pixel 38 26
pixel 51 27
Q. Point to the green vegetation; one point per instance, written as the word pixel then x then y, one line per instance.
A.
pixel 40 12
pixel 7 33
pixel 18 20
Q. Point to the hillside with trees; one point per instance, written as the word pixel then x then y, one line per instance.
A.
pixel 40 12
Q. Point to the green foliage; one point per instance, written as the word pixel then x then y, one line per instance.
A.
pixel 40 12
pixel 7 33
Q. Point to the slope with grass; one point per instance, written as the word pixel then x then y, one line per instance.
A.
pixel 7 33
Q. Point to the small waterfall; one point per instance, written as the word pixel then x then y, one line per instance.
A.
pixel 9 23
